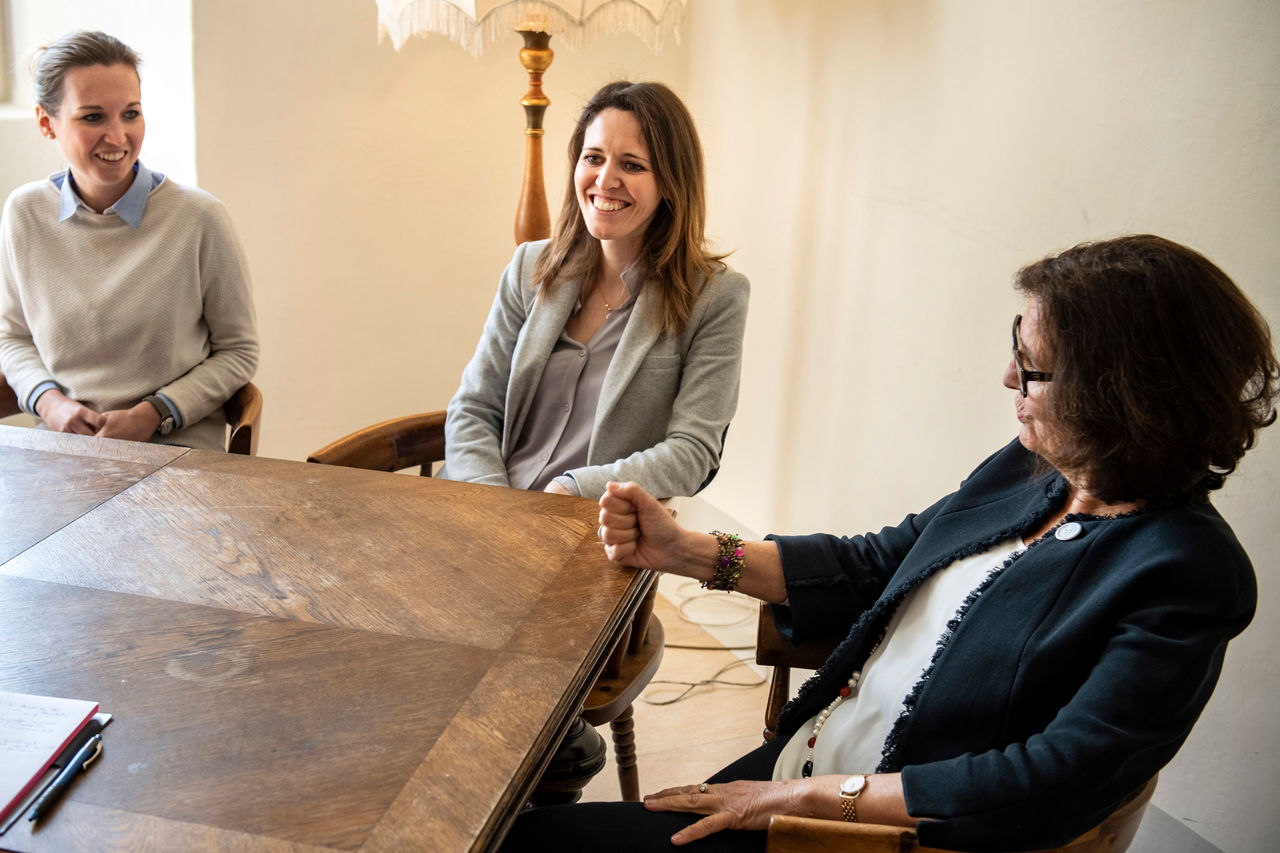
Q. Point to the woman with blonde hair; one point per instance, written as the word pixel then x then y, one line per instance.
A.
pixel 125 309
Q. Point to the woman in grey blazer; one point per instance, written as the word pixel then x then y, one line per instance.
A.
pixel 613 350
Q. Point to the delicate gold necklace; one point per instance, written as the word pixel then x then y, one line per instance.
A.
pixel 609 309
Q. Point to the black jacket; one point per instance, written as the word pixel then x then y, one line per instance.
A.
pixel 1074 675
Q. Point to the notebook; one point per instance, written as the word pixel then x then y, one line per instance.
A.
pixel 33 731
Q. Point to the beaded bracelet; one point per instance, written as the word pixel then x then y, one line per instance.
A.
pixel 729 562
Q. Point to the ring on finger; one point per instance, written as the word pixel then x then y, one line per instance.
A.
pixel 600 533
pixel 702 789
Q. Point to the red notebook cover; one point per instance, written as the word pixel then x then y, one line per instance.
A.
pixel 33 731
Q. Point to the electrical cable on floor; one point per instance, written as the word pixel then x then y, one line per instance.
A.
pixel 741 603
pixel 689 598
pixel 690 686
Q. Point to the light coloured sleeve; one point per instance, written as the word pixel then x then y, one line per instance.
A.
pixel 474 421
pixel 20 362
pixel 705 402
pixel 230 318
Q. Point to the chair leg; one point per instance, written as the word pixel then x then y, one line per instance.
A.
pixel 624 752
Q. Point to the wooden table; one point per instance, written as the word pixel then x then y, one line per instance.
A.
pixel 298 657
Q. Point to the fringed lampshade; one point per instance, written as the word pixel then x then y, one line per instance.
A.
pixel 475 24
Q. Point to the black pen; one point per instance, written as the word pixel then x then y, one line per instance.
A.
pixel 82 737
pixel 86 756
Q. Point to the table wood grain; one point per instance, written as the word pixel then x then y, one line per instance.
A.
pixel 302 657
pixel 48 480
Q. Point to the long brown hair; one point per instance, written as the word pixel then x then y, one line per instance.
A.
pixel 674 251
pixel 1163 371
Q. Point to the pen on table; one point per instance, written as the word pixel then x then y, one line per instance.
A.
pixel 86 756
pixel 82 737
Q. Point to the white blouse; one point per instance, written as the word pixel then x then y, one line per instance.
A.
pixel 852 740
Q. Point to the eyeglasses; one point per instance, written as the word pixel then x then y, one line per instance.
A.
pixel 1024 375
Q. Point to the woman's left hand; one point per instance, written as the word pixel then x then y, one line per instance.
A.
pixel 730 805
pixel 136 424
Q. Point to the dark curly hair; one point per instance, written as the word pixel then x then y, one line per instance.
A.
pixel 1163 371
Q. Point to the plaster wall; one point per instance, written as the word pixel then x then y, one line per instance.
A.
pixel 884 166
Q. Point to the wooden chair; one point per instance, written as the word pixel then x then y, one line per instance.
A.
pixel 8 400
pixel 788 834
pixel 418 441
pixel 243 411
pixel 779 652
pixel 244 416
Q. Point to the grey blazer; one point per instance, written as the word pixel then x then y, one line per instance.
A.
pixel 664 404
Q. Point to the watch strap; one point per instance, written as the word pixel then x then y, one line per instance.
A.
pixel 848 804
pixel 167 419
pixel 848 808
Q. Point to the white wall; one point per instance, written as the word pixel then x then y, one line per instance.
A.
pixel 886 165
pixel 881 166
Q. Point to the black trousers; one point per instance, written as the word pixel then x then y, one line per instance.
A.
pixel 629 828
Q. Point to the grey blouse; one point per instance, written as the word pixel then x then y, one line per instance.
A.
pixel 557 432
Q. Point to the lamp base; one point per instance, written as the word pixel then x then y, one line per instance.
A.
pixel 533 217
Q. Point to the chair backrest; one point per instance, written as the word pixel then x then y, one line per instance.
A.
pixel 405 442
pixel 8 400
pixel 779 652
pixel 789 834
pixel 244 417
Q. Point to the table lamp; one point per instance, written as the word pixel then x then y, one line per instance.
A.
pixel 475 24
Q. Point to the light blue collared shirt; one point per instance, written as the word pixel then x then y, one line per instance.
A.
pixel 128 207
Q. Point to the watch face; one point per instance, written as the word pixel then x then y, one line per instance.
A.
pixel 853 785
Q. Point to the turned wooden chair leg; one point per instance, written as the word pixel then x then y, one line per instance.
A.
pixel 624 752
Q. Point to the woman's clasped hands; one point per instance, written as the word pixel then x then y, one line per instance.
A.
pixel 60 413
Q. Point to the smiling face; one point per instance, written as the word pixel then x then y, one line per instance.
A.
pixel 616 187
pixel 99 127
pixel 1035 429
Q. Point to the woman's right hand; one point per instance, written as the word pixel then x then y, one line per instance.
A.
pixel 638 531
pixel 60 413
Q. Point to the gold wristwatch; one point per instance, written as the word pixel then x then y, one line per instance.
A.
pixel 850 790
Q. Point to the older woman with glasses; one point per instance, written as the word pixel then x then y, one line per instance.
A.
pixel 1025 653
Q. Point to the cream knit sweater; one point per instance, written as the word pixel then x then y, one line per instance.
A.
pixel 113 313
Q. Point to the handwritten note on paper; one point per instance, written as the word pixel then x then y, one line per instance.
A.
pixel 33 730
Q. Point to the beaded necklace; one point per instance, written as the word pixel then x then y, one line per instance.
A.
pixel 845 692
